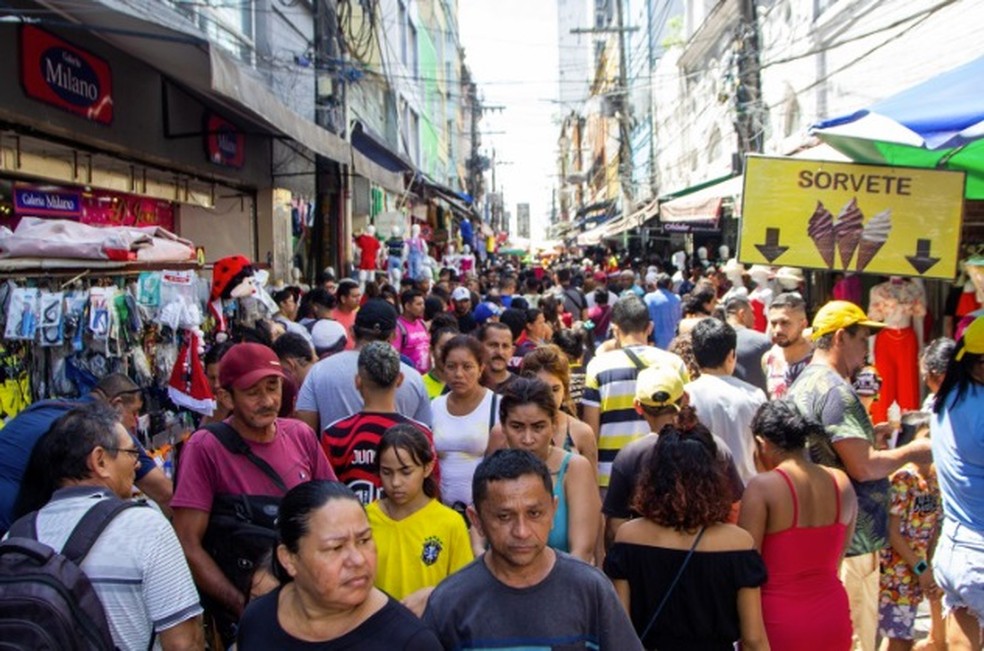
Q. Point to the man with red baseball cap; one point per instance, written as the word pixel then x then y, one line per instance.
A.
pixel 241 466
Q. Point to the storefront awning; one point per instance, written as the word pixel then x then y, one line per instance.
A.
pixel 703 205
pixel 592 236
pixel 635 220
pixel 372 159
pixel 157 34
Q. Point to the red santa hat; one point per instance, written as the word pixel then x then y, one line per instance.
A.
pixel 188 386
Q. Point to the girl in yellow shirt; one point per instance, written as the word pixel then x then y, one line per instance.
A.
pixel 419 540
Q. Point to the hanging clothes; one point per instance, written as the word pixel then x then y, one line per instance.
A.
pixel 901 305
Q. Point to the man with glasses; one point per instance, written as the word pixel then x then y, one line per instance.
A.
pixel 19 436
pixel 136 565
pixel 824 392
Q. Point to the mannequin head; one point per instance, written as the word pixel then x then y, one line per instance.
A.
pixel 702 253
pixel 415 230
pixel 370 229
pixel 789 278
pixel 466 249
pixel 450 249
pixel 759 274
pixel 733 270
pixel 723 252
pixel 397 231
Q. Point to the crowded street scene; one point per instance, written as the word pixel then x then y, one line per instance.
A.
pixel 474 325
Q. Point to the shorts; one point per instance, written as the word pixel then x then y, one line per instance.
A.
pixel 958 566
pixel 896 621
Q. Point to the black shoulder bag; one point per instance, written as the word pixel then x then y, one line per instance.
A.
pixel 673 584
pixel 242 528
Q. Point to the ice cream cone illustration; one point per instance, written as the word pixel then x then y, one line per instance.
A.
pixel 873 237
pixel 847 230
pixel 821 230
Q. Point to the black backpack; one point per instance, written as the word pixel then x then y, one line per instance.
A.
pixel 46 601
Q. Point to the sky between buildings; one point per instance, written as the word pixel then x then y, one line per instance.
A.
pixel 511 49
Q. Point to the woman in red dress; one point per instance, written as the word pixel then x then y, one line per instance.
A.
pixel 801 516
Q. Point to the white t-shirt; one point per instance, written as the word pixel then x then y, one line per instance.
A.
pixel 136 567
pixel 461 442
pixel 726 406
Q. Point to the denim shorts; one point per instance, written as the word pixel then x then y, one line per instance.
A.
pixel 958 567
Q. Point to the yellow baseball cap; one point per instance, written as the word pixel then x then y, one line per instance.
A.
pixel 972 340
pixel 841 314
pixel 659 386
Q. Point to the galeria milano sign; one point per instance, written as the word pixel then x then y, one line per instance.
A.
pixel 58 73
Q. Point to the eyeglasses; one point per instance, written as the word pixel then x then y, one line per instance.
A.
pixel 135 452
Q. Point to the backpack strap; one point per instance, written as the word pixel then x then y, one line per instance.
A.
pixel 25 527
pixel 639 364
pixel 91 526
pixel 404 333
pixel 233 442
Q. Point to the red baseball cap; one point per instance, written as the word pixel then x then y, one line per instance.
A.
pixel 600 275
pixel 246 364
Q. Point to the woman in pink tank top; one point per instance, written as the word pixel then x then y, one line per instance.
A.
pixel 801 516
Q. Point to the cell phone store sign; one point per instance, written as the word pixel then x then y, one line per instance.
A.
pixel 58 73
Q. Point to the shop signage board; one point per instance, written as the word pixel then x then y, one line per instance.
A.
pixel 47 202
pixel 97 208
pixel 224 143
pixel 58 73
pixel 894 221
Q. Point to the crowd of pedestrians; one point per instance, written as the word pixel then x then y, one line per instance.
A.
pixel 583 457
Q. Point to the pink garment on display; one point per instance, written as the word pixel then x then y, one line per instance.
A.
pixel 848 288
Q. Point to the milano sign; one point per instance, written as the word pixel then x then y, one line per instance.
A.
pixel 63 75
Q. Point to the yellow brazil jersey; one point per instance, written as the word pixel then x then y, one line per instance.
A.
pixel 420 550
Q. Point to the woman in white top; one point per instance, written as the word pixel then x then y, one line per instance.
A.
pixel 463 418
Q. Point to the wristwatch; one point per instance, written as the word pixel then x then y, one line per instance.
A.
pixel 920 567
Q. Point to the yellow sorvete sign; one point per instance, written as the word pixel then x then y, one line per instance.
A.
pixel 896 221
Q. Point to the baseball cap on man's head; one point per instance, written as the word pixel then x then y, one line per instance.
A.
pixel 246 364
pixel 115 385
pixel 328 336
pixel 486 311
pixel 972 340
pixel 659 386
pixel 461 294
pixel 376 315
pixel 836 315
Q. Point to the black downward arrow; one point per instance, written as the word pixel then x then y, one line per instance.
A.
pixel 771 249
pixel 922 261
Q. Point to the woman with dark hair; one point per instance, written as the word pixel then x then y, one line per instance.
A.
pixel 463 418
pixel 536 332
pixel 529 413
pixel 325 562
pixel 957 435
pixel 549 364
pixel 420 541
pixel 687 580
pixel 801 516
pixel 434 380
pixel 552 310
pixel 933 364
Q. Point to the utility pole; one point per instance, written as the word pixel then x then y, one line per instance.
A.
pixel 622 92
pixel 329 245
pixel 748 98
pixel 624 126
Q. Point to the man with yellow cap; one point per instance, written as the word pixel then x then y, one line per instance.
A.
pixel 823 391
pixel 957 433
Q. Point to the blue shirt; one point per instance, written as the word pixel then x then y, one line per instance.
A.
pixel 957 433
pixel 18 438
pixel 665 312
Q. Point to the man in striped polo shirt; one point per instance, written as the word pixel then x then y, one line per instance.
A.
pixel 609 385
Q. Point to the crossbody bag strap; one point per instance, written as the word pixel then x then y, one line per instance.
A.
pixel 495 402
pixel 635 359
pixel 233 442
pixel 673 584
pixel 91 526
